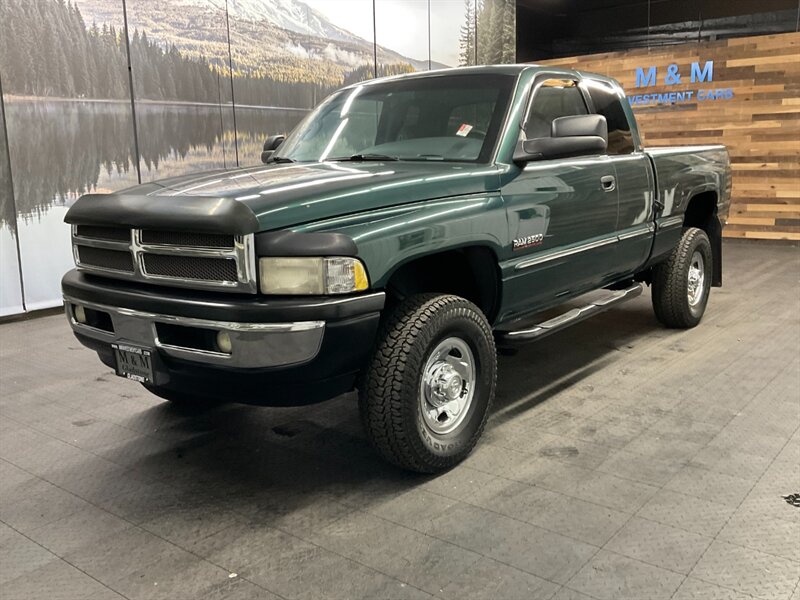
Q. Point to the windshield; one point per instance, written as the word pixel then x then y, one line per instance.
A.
pixel 452 117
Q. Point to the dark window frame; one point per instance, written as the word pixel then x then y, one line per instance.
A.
pixel 537 83
pixel 613 91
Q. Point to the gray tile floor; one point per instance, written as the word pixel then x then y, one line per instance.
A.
pixel 622 460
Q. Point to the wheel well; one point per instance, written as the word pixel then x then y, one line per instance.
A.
pixel 701 212
pixel 470 272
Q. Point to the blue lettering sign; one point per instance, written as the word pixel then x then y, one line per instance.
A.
pixel 700 73
pixel 673 76
pixel 647 80
pixel 707 74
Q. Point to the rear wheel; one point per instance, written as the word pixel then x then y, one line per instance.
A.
pixel 425 396
pixel 682 283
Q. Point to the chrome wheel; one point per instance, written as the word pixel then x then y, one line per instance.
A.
pixel 447 386
pixel 696 279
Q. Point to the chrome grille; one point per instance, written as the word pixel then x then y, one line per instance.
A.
pixel 185 259
pixel 190 267
pixel 187 238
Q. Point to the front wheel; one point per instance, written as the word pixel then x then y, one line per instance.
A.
pixel 425 396
pixel 681 283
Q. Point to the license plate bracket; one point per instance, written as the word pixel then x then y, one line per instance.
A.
pixel 134 362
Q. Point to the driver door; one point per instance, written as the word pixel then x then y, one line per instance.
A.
pixel 562 213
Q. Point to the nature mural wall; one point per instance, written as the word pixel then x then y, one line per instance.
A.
pixel 10 281
pixel 209 80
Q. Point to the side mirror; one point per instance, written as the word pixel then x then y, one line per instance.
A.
pixel 570 136
pixel 270 146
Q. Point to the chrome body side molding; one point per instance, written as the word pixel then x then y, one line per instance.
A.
pixel 544 257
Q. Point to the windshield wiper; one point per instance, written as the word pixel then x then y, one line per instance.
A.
pixel 281 159
pixel 363 157
pixel 427 157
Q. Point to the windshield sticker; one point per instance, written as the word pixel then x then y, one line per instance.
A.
pixel 464 130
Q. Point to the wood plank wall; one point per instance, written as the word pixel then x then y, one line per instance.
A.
pixel 760 125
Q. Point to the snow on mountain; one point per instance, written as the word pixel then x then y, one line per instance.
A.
pixel 289 14
pixel 264 31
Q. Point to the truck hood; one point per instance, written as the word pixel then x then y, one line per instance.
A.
pixel 285 195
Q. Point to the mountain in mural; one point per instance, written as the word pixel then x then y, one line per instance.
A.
pixel 288 14
pixel 54 52
pixel 285 39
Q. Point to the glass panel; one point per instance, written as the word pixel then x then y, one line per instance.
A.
pixel 491 24
pixel 288 59
pixel 10 289
pixel 69 124
pixel 402 31
pixel 590 27
pixel 554 99
pixel 424 118
pixel 447 22
pixel 497 32
pixel 608 103
pixel 181 86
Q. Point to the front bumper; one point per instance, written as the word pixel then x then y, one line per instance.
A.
pixel 282 351
pixel 253 345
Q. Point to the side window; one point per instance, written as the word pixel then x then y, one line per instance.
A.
pixel 608 104
pixel 554 98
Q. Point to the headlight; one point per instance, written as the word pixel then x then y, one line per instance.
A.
pixel 311 275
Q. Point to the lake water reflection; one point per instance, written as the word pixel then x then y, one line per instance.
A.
pixel 62 149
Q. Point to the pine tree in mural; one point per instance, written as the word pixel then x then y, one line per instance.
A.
pixel 466 41
pixel 47 50
pixel 489 48
pixel 509 33
pixel 367 72
pixel 496 32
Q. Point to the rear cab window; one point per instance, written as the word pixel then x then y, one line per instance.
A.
pixel 608 103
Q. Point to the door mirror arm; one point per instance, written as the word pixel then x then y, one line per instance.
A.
pixel 272 144
pixel 562 147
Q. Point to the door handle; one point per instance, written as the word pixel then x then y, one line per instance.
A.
pixel 609 183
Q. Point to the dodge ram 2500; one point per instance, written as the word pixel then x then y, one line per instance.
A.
pixel 406 228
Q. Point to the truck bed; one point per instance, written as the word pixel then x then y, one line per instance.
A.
pixel 685 171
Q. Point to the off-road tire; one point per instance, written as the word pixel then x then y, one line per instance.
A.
pixel 671 280
pixel 389 390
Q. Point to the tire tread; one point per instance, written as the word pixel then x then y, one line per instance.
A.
pixel 382 386
pixel 669 281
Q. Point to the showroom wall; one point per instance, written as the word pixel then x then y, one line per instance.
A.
pixel 196 84
pixel 10 280
pixel 696 72
pixel 741 92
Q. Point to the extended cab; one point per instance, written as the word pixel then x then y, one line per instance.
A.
pixel 401 232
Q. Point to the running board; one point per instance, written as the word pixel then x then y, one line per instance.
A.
pixel 570 317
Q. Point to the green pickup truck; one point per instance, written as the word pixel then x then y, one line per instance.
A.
pixel 406 229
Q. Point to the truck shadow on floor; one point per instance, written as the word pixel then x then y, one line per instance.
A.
pixel 273 463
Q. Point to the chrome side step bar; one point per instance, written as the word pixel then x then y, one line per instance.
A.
pixel 570 317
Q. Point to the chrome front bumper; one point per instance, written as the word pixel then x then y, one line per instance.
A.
pixel 253 345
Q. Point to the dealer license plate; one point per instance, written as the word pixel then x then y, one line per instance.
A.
pixel 134 362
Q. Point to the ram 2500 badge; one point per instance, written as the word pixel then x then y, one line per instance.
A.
pixel 404 230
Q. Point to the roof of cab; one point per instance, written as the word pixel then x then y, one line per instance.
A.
pixel 475 70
